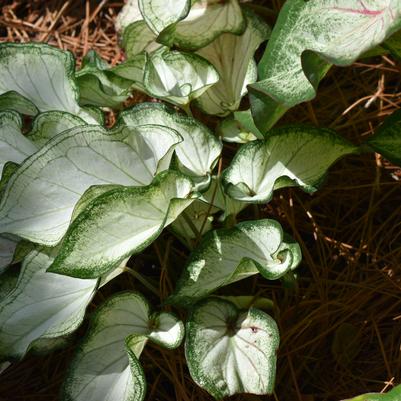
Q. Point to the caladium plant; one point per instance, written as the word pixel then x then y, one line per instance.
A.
pixel 78 198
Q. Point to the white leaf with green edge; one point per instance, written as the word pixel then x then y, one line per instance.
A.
pixel 14 145
pixel 392 395
pixel 42 74
pixel 307 38
pixel 14 101
pixel 228 255
pixel 51 123
pixel 138 37
pixel 40 197
pixel 206 20
pixel 106 365
pixel 239 128
pixel 132 69
pixel 290 156
pixel 159 14
pixel 387 138
pixel 98 85
pixel 42 305
pixel 231 351
pixel 128 14
pixel 178 77
pixel 232 56
pixel 200 149
pixel 119 223
pixel 7 250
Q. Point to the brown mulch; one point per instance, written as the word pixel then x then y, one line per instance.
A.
pixel 340 323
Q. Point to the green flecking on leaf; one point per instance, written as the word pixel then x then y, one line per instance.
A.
pixel 387 138
pixel 228 255
pixel 42 74
pixel 289 156
pixel 308 37
pixel 119 223
pixel 229 350
pixel 72 162
pixel 106 365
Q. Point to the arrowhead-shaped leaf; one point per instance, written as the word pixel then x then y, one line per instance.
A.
pixel 119 223
pixel 199 150
pixel 290 156
pixel 138 37
pixel 106 366
pixel 14 101
pixel 51 123
pixel 42 74
pixel 178 77
pixel 206 20
pixel 159 14
pixel 14 146
pixel 42 305
pixel 231 351
pixel 98 85
pixel 387 139
pixel 307 38
pixel 40 197
pixel 232 56
pixel 228 255
pixel 128 14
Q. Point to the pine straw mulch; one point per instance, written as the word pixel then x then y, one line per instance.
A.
pixel 340 324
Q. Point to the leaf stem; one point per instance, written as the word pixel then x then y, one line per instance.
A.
pixel 187 109
pixel 142 280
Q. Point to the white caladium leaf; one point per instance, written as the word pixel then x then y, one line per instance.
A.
pixel 231 351
pixel 239 128
pixel 51 123
pixel 138 37
pixel 7 250
pixel 119 223
pixel 98 85
pixel 42 74
pixel 392 395
pixel 128 14
pixel 133 69
pixel 159 14
pixel 387 138
pixel 39 199
pixel 228 255
pixel 14 146
pixel 14 101
pixel 42 305
pixel 106 366
pixel 200 149
pixel 206 20
pixel 178 77
pixel 309 36
pixel 232 56
pixel 290 156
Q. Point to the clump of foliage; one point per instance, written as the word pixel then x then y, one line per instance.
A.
pixel 78 200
